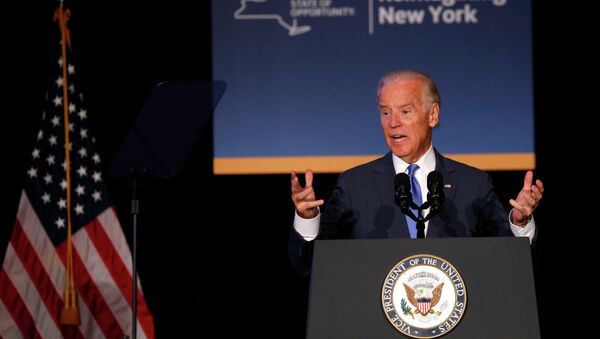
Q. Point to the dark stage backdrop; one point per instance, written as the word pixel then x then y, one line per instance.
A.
pixel 212 253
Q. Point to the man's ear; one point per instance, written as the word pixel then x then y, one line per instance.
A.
pixel 434 115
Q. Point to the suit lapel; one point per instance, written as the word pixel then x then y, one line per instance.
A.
pixel 437 225
pixel 383 182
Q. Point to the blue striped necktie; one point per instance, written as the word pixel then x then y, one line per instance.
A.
pixel 415 189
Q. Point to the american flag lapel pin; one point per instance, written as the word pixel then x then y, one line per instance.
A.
pixel 447 185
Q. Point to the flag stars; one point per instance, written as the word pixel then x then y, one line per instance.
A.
pixel 82 152
pixel 62 204
pixel 82 171
pixel 46 198
pixel 59 82
pixel 63 184
pixel 50 159
pixel 57 101
pixel 79 209
pixel 71 88
pixel 40 135
pixel 60 61
pixel 52 140
pixel 80 190
pixel 72 108
pixel 36 153
pixel 32 172
pixel 96 158
pixel 83 133
pixel 60 223
pixel 48 179
pixel 71 69
pixel 96 196
pixel 82 114
pixel 71 126
pixel 55 121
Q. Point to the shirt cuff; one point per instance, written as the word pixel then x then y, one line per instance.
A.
pixel 526 231
pixel 307 228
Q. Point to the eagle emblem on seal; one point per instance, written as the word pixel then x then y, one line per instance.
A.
pixel 424 299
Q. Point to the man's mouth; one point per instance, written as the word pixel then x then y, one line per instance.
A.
pixel 398 137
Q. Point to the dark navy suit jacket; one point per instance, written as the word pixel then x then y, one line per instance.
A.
pixel 362 206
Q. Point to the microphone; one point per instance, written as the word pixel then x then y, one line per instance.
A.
pixel 435 185
pixel 403 197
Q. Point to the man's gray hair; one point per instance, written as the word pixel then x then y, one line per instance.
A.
pixel 431 92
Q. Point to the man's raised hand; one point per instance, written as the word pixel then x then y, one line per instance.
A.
pixel 304 197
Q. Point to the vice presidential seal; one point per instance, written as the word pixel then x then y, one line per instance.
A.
pixel 423 296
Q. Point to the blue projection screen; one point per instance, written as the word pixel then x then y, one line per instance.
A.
pixel 302 75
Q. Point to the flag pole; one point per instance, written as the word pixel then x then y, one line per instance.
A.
pixel 69 314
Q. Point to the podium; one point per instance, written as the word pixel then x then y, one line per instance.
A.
pixel 348 278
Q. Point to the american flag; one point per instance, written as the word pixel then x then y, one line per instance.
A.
pixel 32 279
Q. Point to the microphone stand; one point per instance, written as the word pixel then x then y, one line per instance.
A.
pixel 419 218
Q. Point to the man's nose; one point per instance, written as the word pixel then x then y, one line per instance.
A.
pixel 395 120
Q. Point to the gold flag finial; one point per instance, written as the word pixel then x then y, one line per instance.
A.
pixel 62 16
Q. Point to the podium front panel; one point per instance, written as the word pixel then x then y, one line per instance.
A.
pixel 348 276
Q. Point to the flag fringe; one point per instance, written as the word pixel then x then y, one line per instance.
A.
pixel 69 315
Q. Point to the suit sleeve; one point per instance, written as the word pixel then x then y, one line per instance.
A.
pixel 493 219
pixel 337 218
pixel 336 223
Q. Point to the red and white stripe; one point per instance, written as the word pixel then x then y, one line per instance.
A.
pixel 424 307
pixel 33 275
pixel 8 328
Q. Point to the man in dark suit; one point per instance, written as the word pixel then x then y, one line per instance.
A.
pixel 362 204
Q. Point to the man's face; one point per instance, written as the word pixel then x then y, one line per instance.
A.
pixel 405 123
